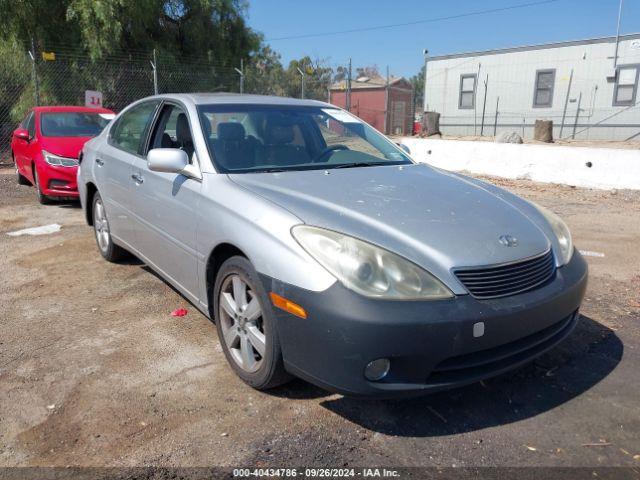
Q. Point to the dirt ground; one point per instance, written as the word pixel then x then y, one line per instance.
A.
pixel 94 371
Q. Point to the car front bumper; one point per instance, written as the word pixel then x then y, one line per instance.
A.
pixel 430 344
pixel 58 181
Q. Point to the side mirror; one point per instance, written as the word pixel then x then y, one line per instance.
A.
pixel 172 160
pixel 22 134
pixel 168 160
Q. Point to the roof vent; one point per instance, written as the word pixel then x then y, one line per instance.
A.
pixel 363 79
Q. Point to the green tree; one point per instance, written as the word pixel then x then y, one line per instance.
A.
pixel 318 76
pixel 212 29
pixel 417 81
pixel 264 73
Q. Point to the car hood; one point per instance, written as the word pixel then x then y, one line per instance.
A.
pixel 436 219
pixel 69 147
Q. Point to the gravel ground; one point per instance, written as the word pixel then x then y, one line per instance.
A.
pixel 94 371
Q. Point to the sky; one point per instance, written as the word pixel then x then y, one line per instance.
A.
pixel 400 48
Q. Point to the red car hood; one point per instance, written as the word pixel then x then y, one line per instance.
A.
pixel 69 147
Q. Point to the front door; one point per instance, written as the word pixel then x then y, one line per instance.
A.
pixel 24 150
pixel 167 205
pixel 112 170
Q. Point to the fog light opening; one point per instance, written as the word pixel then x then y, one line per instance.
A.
pixel 377 369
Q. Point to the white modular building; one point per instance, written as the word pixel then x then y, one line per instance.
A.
pixel 579 85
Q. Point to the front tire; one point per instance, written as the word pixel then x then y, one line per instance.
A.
pixel 43 199
pixel 109 250
pixel 21 179
pixel 246 325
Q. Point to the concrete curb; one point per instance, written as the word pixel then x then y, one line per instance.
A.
pixel 603 168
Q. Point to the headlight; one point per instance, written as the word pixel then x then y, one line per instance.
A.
pixel 367 269
pixel 562 233
pixel 52 159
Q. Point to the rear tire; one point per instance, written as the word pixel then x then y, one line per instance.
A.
pixel 109 250
pixel 246 325
pixel 43 199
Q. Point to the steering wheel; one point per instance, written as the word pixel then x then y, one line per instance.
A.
pixel 329 149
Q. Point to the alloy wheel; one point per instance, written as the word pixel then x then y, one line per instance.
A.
pixel 241 322
pixel 101 226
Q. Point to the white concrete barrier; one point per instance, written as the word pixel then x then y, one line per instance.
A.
pixel 604 168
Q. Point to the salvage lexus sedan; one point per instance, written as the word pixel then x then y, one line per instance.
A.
pixel 322 250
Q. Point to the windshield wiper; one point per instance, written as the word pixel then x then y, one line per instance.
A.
pixel 358 164
pixel 268 170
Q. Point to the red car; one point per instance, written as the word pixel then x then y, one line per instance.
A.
pixel 46 145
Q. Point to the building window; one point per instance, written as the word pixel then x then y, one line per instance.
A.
pixel 626 85
pixel 543 93
pixel 467 91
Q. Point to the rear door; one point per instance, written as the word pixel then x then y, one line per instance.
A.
pixel 167 204
pixel 112 169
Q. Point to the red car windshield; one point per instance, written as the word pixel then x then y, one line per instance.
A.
pixel 73 124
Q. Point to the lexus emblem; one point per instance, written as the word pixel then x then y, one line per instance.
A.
pixel 508 240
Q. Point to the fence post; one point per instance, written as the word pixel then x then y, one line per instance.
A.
pixel 36 87
pixel 484 104
pixel 495 120
pixel 575 122
pixel 301 82
pixel 154 65
pixel 241 73
pixel 566 102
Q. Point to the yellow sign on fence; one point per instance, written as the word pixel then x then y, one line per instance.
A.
pixel 48 56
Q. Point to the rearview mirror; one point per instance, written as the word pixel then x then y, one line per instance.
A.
pixel 22 134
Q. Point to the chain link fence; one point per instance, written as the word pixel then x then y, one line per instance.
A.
pixel 61 76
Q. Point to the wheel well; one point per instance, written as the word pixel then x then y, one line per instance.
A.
pixel 91 191
pixel 218 256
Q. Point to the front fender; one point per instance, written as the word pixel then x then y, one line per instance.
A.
pixel 229 213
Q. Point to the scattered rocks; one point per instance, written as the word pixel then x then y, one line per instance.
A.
pixel 508 137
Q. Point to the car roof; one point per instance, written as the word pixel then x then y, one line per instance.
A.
pixel 70 108
pixel 245 99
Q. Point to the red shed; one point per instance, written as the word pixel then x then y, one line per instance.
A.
pixel 384 105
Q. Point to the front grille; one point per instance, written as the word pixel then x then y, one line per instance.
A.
pixel 509 279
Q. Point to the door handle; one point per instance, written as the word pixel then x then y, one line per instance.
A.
pixel 137 178
pixel 99 162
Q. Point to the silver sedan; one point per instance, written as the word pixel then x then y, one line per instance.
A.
pixel 322 250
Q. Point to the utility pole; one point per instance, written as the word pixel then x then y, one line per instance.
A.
pixel 241 73
pixel 615 55
pixel 36 87
pixel 301 82
pixel 154 64
pixel 387 115
pixel 425 52
pixel 348 94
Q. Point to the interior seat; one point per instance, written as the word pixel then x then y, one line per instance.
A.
pixel 232 148
pixel 278 149
pixel 183 135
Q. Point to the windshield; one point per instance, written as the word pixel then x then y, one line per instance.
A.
pixel 73 124
pixel 264 138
